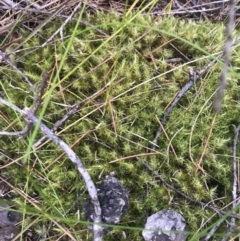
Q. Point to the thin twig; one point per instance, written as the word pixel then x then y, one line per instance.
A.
pixel 36 105
pixel 202 204
pixel 15 133
pixel 235 185
pixel 30 117
pixel 10 3
pixel 97 229
pixel 73 109
pixel 173 12
pixel 199 164
pixel 226 55
pixel 37 102
pixel 37 11
pixel 212 231
pixel 12 106
pixel 4 57
pixel 193 77
pixel 193 9
pixel 60 29
pixel 38 97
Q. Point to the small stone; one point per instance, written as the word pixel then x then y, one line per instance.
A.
pixel 8 233
pixel 8 217
pixel 161 237
pixel 113 200
pixel 165 225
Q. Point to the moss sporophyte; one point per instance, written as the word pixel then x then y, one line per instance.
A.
pixel 112 128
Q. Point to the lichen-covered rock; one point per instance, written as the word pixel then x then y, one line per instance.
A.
pixel 113 199
pixel 165 225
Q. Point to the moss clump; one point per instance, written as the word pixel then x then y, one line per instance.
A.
pixel 121 121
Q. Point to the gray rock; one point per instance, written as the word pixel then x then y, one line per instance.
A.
pixel 165 225
pixel 161 237
pixel 8 217
pixel 113 200
pixel 9 233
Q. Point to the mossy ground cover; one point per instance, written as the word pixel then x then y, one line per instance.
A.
pixel 118 124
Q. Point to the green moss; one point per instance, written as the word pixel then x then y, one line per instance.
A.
pixel 122 120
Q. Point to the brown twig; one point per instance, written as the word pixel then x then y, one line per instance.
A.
pixel 199 164
pixel 167 137
pixel 37 101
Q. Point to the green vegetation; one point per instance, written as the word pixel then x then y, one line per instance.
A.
pixel 122 120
